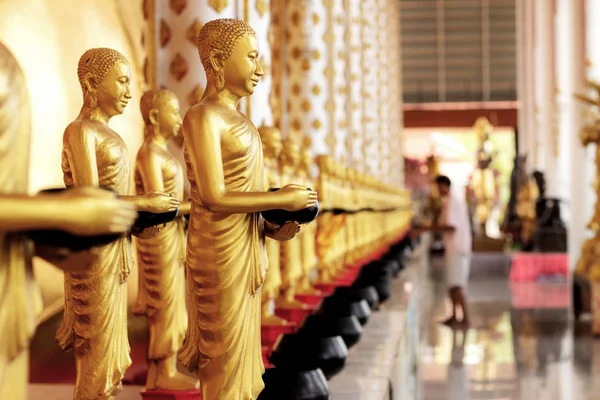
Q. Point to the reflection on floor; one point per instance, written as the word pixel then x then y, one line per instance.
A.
pixel 512 351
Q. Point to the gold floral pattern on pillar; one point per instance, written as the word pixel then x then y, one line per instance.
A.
pixel 218 5
pixel 192 31
pixel 177 6
pixel 262 6
pixel 276 41
pixel 165 33
pixel 178 67
pixel 195 95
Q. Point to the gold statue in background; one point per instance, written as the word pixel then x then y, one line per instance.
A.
pixel 226 260
pixel 83 211
pixel 291 250
pixel 272 146
pixel 483 184
pixel 161 258
pixel 590 135
pixel 434 202
pixel 95 314
pixel 525 208
pixel 307 236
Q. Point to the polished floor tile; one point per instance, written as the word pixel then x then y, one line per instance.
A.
pixel 512 351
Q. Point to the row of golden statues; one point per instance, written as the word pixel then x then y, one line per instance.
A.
pixel 204 294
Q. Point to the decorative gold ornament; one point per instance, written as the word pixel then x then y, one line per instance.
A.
pixel 192 31
pixel 177 6
pixel 306 107
pixel 178 67
pixel 262 6
pixel 218 5
pixel 146 8
pixel 165 33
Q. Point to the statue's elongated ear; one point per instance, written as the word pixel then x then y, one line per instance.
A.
pixel 153 116
pixel 216 60
pixel 90 82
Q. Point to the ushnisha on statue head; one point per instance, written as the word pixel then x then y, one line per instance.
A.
pixel 228 50
pixel 104 75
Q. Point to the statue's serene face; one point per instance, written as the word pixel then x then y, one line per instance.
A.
pixel 113 92
pixel 169 118
pixel 242 70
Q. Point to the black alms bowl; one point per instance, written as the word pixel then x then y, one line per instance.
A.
pixel 61 239
pixel 280 217
pixel 148 219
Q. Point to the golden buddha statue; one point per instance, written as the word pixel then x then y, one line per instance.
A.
pixel 95 313
pixel 483 184
pixel 226 260
pixel 81 211
pixel 161 296
pixel 434 202
pixel 324 238
pixel 291 250
pixel 525 208
pixel 307 236
pixel 272 147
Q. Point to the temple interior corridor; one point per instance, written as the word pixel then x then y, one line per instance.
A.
pixel 512 350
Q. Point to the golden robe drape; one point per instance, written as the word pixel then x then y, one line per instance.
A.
pixel 226 265
pixel 95 315
pixel 161 295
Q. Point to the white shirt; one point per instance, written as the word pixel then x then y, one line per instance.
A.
pixel 455 214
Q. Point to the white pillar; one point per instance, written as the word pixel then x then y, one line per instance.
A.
pixel 279 76
pixel 529 112
pixel 570 51
pixel 544 68
pixel 305 26
pixel 523 58
pixel 383 90
pixel 355 85
pixel 397 112
pixel 338 94
pixel 561 40
pixel 371 71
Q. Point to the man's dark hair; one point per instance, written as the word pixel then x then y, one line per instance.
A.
pixel 443 180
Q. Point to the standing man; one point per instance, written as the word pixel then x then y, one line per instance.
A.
pixel 454 224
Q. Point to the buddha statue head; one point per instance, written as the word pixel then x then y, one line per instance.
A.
pixel 271 140
pixel 15 125
pixel 104 75
pixel 290 154
pixel 160 112
pixel 229 53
